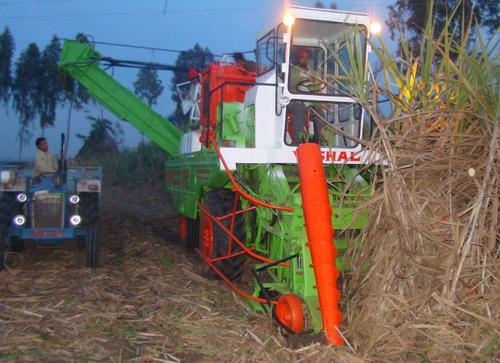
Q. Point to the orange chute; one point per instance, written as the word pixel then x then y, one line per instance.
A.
pixel 318 219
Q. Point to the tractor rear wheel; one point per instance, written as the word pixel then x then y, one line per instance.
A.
pixel 188 232
pixel 93 246
pixel 214 242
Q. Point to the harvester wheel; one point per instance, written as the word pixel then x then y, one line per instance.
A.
pixel 214 242
pixel 289 314
pixel 93 246
pixel 188 232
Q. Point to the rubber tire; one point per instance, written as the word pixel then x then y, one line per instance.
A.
pixel 16 244
pixel 88 209
pixel 10 207
pixel 93 246
pixel 220 202
pixel 188 232
pixel 4 230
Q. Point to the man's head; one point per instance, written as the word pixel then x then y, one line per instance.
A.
pixel 42 144
pixel 303 55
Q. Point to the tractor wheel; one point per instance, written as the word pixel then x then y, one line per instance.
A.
pixel 81 242
pixel 289 314
pixel 88 208
pixel 214 242
pixel 16 244
pixel 188 232
pixel 10 207
pixel 93 246
pixel 4 232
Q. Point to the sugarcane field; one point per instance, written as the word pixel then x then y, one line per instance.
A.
pixel 312 181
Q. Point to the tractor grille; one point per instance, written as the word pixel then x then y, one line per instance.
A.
pixel 48 210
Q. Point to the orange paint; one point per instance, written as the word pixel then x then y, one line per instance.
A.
pixel 318 220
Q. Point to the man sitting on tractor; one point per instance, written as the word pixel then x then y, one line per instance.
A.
pixel 45 161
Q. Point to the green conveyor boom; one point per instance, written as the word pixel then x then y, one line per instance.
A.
pixel 81 61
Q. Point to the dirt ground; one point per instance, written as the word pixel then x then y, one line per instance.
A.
pixel 147 302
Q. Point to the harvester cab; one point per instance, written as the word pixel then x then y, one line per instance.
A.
pixel 298 94
pixel 50 208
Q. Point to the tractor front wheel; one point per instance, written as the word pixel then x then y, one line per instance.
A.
pixel 93 246
pixel 4 233
pixel 214 242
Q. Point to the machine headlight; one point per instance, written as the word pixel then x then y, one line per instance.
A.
pixel 74 199
pixel 375 27
pixel 75 220
pixel 21 197
pixel 288 19
pixel 19 220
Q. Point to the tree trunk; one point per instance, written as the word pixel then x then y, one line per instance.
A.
pixel 68 129
pixel 21 143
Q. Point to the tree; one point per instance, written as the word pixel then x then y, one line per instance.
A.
pixel 50 83
pixel 411 16
pixel 197 58
pixel 6 53
pixel 148 85
pixel 104 137
pixel 73 94
pixel 26 92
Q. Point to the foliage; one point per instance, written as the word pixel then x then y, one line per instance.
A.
pixel 50 84
pixel 148 85
pixel 73 92
pixel 6 53
pixel 145 163
pixel 104 137
pixel 411 16
pixel 197 58
pixel 26 90
pixel 425 277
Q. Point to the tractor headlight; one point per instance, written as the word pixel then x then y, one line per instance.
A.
pixel 8 176
pixel 75 220
pixel 19 220
pixel 21 197
pixel 74 199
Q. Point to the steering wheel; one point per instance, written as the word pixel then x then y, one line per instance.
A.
pixel 308 86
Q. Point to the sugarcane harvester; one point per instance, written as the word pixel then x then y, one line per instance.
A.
pixel 272 167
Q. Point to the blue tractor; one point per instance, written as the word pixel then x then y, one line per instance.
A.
pixel 50 208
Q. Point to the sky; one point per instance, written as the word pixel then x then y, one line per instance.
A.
pixel 223 26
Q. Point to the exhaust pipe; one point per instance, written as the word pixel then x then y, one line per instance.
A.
pixel 318 220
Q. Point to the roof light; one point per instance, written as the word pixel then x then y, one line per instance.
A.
pixel 288 19
pixel 375 27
